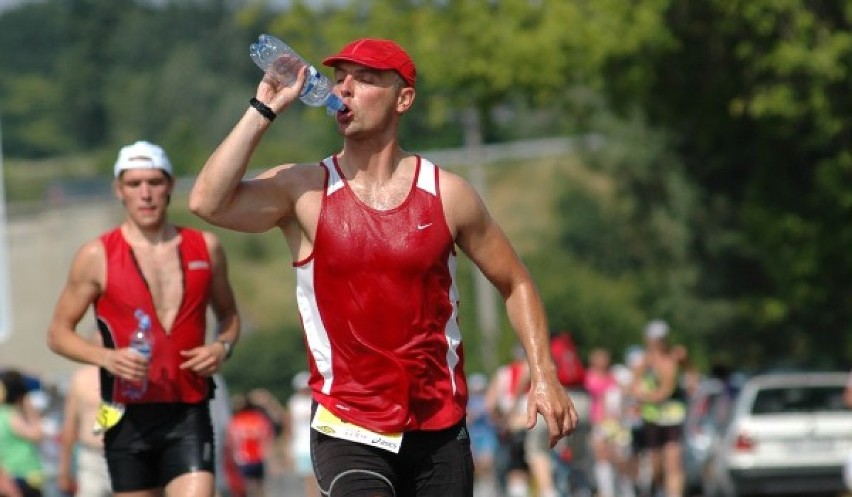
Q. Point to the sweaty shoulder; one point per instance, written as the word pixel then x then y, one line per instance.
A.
pixel 295 178
pixel 89 263
pixel 462 204
pixel 270 199
pixel 92 249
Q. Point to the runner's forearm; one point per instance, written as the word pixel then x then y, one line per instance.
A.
pixel 218 180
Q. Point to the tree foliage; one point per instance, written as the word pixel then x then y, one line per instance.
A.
pixel 761 106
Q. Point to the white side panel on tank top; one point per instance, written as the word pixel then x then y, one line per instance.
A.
pixel 451 327
pixel 315 333
pixel 427 181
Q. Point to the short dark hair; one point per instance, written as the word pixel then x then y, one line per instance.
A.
pixel 15 385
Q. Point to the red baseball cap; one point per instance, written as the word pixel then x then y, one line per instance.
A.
pixel 377 54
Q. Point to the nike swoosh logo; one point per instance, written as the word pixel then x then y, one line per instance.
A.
pixel 423 226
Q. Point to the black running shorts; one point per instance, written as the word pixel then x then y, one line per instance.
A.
pixel 153 444
pixel 657 436
pixel 429 464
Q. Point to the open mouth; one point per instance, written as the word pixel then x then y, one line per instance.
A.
pixel 344 116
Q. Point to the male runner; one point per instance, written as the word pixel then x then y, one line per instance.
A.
pixel 171 274
pixel 373 231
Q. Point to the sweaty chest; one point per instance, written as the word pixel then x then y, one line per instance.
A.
pixel 163 275
pixel 409 237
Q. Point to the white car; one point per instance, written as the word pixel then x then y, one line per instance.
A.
pixel 701 430
pixel 788 433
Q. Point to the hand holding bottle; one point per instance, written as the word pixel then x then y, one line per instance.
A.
pixel 277 95
pixel 126 364
pixel 280 62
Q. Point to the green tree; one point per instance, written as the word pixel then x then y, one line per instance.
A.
pixel 31 102
pixel 268 360
pixel 88 32
pixel 757 93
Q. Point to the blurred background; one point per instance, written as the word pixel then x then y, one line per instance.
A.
pixel 688 161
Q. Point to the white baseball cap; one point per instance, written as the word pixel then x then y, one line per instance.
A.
pixel 656 330
pixel 142 155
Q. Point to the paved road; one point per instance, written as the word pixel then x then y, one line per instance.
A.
pixel 285 485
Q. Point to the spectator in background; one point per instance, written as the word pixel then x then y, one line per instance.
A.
pixel 600 382
pixel 251 438
pixel 7 486
pixel 525 458
pixel 505 400
pixel 20 435
pixel 299 407
pixel 279 417
pixel 79 443
pixel 663 408
pixel 269 405
pixel 483 436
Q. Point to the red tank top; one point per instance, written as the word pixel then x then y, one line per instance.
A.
pixel 126 291
pixel 248 433
pixel 379 307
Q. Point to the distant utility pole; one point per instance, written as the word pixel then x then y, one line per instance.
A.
pixel 5 288
pixel 486 295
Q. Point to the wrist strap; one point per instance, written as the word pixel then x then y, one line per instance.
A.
pixel 264 109
pixel 228 346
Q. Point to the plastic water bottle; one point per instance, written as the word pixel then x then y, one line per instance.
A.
pixel 282 62
pixel 142 344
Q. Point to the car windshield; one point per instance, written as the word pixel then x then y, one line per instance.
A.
pixel 823 398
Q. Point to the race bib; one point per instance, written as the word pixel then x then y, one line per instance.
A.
pixel 327 423
pixel 109 414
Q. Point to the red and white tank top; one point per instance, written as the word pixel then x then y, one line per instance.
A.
pixel 126 291
pixel 379 307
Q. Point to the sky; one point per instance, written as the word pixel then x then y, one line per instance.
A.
pixel 5 4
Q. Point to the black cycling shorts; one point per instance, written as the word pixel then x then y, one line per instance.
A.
pixel 153 444
pixel 429 464
pixel 637 439
pixel 657 436
pixel 515 443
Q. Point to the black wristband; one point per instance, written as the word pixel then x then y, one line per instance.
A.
pixel 264 109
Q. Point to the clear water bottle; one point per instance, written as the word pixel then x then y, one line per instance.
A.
pixel 282 62
pixel 142 344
